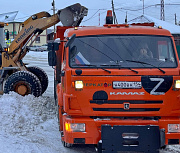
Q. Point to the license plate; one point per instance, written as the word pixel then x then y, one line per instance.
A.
pixel 126 85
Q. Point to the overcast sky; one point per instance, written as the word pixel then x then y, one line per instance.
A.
pixel 96 8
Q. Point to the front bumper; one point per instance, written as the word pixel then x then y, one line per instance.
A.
pixel 92 134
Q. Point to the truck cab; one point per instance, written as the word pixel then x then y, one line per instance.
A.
pixel 116 85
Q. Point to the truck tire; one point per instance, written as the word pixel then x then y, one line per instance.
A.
pixel 67 145
pixel 24 83
pixel 42 76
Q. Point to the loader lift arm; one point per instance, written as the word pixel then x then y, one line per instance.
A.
pixel 33 80
pixel 35 25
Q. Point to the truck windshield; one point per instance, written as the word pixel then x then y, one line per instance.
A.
pixel 118 51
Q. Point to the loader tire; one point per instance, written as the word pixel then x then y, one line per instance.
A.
pixel 42 76
pixel 24 83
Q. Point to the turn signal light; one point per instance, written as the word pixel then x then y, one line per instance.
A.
pixel 6 49
pixel 75 127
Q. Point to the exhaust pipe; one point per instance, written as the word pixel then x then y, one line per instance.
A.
pixel 72 15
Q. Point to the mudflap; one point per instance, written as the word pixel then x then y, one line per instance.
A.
pixel 121 139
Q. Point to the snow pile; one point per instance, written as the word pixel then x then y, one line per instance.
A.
pixel 174 148
pixel 22 115
pixel 28 125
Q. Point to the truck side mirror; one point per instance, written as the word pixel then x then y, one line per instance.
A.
pixel 70 40
pixel 52 48
pixel 52 58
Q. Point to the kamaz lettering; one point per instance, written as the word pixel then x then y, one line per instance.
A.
pixel 24 34
pixel 126 93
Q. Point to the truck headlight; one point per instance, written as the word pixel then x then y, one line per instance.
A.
pixel 79 84
pixel 173 128
pixel 75 127
pixel 177 84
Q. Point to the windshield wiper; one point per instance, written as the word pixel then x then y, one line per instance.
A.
pixel 119 66
pixel 147 64
pixel 90 65
pixel 132 70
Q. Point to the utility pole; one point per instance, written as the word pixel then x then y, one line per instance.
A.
pixel 175 19
pixel 143 6
pixel 99 18
pixel 53 5
pixel 162 10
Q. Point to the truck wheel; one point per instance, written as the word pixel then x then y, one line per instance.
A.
pixel 164 147
pixel 67 145
pixel 42 76
pixel 24 83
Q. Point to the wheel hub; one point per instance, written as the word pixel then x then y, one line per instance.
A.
pixel 22 90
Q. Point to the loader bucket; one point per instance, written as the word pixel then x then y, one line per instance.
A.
pixel 72 15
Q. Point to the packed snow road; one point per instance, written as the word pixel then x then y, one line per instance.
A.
pixel 29 124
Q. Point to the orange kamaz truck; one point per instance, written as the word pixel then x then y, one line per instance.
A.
pixel 117 86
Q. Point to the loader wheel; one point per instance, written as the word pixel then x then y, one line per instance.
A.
pixel 24 83
pixel 42 76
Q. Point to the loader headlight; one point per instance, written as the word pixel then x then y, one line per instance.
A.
pixel 75 127
pixel 173 128
pixel 79 84
pixel 6 49
pixel 177 84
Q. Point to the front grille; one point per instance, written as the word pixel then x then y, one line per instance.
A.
pixel 129 110
pixel 125 101
pixel 126 105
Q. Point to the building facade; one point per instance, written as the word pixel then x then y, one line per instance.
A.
pixel 14 20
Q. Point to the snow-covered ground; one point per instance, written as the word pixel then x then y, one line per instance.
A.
pixel 29 124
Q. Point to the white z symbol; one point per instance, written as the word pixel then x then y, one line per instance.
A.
pixel 161 80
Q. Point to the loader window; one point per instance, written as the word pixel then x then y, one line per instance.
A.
pixel 120 50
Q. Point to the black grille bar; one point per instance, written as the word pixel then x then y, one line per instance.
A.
pixel 123 110
pixel 123 101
